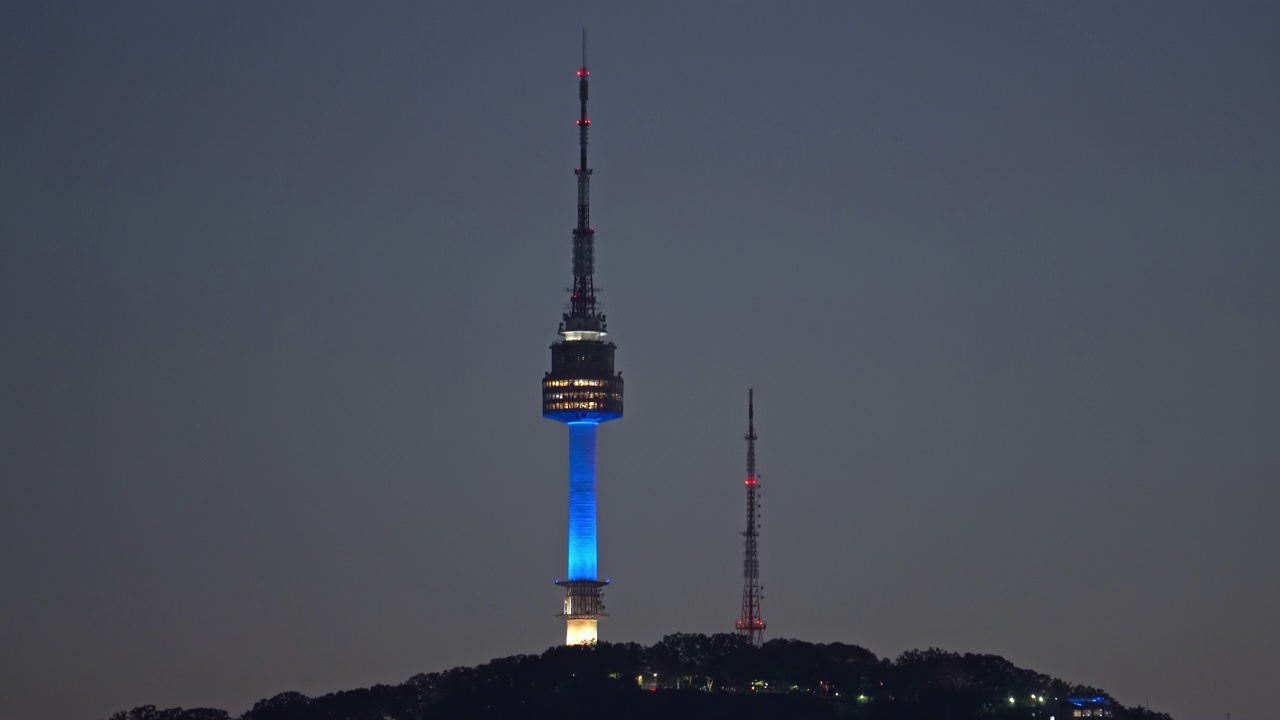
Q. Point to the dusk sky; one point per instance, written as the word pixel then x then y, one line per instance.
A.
pixel 278 281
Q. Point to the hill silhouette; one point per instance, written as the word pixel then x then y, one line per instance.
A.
pixel 700 676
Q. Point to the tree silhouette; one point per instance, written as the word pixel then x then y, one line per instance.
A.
pixel 687 675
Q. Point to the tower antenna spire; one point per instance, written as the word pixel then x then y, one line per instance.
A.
pixel 750 624
pixel 583 315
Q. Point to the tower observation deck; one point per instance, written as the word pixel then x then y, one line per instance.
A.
pixel 582 390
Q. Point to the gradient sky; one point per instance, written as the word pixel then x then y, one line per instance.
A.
pixel 277 283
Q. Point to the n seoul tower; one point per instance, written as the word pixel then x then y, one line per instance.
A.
pixel 582 390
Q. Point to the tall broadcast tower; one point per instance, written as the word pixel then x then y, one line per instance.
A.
pixel 582 390
pixel 751 625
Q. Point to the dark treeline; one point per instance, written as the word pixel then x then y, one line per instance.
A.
pixel 697 676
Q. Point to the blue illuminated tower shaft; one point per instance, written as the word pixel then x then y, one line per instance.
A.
pixel 582 390
pixel 582 500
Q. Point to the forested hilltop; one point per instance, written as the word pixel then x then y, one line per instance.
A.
pixel 700 676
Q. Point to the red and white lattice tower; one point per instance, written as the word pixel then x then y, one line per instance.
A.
pixel 751 624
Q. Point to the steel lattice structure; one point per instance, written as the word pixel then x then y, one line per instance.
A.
pixel 751 624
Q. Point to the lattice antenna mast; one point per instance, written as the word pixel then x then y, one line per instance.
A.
pixel 751 624
pixel 583 315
